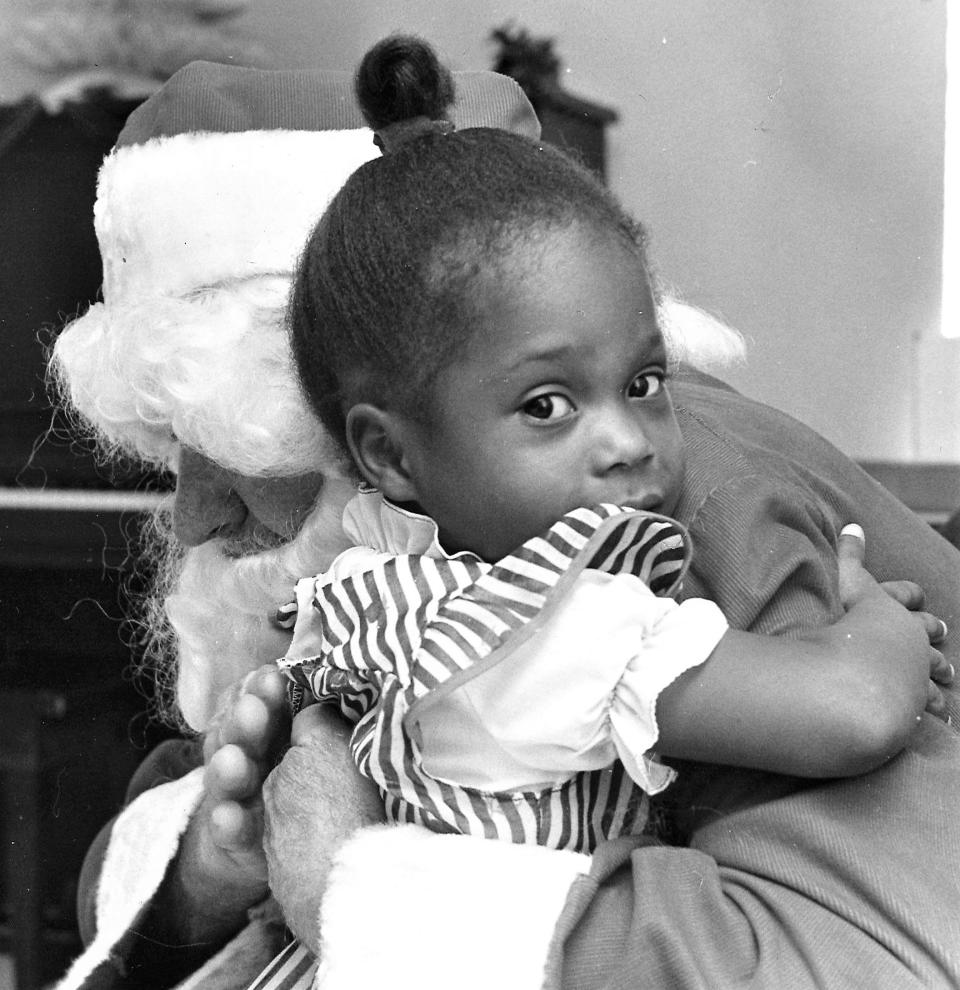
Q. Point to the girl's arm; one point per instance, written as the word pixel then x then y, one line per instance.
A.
pixel 834 702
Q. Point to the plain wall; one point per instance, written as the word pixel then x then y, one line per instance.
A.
pixel 786 157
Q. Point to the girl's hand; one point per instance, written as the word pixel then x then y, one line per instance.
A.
pixel 857 585
pixel 831 701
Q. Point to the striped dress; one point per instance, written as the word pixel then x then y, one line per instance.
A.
pixel 422 651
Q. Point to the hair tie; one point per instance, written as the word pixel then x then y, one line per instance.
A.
pixel 388 139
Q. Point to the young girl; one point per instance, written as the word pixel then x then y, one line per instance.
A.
pixel 475 321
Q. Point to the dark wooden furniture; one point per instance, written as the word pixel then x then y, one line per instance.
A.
pixel 64 755
pixel 49 268
pixel 72 724
pixel 570 122
pixel 575 125
pixel 931 490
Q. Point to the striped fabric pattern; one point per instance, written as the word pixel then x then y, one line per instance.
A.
pixel 294 968
pixel 398 637
pixel 470 627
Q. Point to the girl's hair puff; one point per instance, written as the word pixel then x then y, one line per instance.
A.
pixel 386 290
pixel 399 79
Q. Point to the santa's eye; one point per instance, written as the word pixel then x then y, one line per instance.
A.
pixel 548 406
pixel 646 385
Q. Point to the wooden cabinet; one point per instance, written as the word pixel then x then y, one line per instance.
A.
pixel 576 125
pixel 65 756
pixel 49 270
pixel 73 726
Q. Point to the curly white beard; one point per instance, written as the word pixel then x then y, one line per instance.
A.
pixel 207 620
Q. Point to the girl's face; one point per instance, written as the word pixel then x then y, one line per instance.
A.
pixel 559 400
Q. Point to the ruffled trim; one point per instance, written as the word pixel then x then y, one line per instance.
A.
pixel 380 530
pixel 370 520
pixel 684 638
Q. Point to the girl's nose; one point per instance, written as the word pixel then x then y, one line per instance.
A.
pixel 622 442
pixel 205 504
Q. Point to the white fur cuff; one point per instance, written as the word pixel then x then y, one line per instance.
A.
pixel 407 907
pixel 143 841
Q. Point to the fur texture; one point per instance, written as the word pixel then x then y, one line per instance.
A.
pixel 512 893
pixel 179 213
pixel 144 839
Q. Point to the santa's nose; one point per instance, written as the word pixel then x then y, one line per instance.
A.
pixel 205 504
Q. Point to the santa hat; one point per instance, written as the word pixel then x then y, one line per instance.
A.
pixel 202 209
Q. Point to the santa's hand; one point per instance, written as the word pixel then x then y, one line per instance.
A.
pixel 220 870
pixel 314 800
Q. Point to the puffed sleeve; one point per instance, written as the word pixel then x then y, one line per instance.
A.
pixel 303 618
pixel 577 694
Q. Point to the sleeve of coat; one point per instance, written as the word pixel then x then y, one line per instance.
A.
pixel 123 869
pixel 784 883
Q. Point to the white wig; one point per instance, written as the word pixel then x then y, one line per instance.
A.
pixel 213 371
pixel 694 336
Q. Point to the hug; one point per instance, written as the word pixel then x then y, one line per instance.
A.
pixel 487 612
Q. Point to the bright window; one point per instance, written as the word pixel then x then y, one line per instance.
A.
pixel 950 306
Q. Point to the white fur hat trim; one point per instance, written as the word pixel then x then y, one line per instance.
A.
pixel 176 214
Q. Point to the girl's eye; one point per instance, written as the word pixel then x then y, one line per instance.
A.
pixel 550 405
pixel 646 385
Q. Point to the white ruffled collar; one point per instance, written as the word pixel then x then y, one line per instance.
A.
pixel 370 520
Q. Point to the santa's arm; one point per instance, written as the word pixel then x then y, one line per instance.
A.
pixel 479 892
pixel 174 876
pixel 125 869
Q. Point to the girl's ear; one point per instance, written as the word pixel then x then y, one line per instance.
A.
pixel 375 439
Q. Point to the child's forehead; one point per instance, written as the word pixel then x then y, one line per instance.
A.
pixel 547 258
pixel 568 305
pixel 570 264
